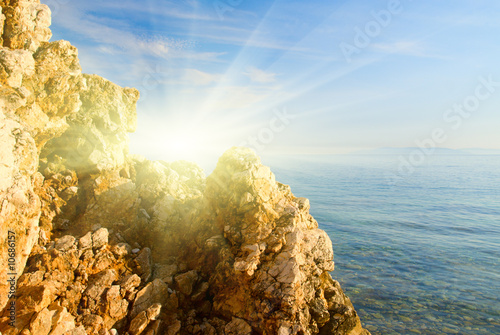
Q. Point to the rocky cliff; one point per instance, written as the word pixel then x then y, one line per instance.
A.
pixel 97 241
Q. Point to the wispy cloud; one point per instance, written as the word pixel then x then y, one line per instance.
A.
pixel 213 57
pixel 115 39
pixel 407 48
pixel 183 10
pixel 260 76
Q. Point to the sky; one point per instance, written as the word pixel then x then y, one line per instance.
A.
pixel 294 77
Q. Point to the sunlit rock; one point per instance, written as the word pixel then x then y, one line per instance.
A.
pixel 20 207
pixel 118 243
pixel 26 24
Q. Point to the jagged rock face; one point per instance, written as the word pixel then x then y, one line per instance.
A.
pixel 169 251
pixel 98 131
pixel 274 273
pixel 54 90
pixel 19 205
pixel 42 87
pixel 26 24
pixel 16 65
pixel 152 203
pixel 83 286
pixel 36 79
pixel 2 20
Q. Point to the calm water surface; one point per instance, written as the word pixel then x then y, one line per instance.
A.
pixel 417 257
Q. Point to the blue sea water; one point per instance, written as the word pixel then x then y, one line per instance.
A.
pixel 419 256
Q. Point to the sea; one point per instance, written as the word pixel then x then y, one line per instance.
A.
pixel 417 246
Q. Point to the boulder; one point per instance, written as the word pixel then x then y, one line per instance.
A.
pixel 186 281
pixel 153 293
pixel 143 264
pixel 238 327
pixel 42 322
pixel 65 243
pixel 100 238
pixel 141 321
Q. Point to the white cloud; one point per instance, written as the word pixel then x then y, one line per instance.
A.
pixel 260 76
pixel 118 39
pixel 400 47
pixel 408 48
pixel 198 56
pixel 183 10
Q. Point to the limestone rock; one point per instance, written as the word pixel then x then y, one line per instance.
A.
pixel 56 292
pixel 2 20
pixel 143 264
pixel 100 238
pixel 65 243
pixel 56 211
pixel 181 180
pixel 166 272
pixel 152 293
pixel 114 200
pixel 93 323
pixel 174 327
pixel 154 328
pixel 117 307
pixel 234 253
pixel 15 65
pixel 172 196
pixel 62 321
pixel 85 241
pixel 26 24
pixel 40 81
pixel 98 130
pixel 238 327
pixel 93 295
pixel 77 331
pixel 122 249
pixel 53 91
pixel 141 321
pixel 130 282
pixel 277 255
pixel 19 205
pixel 42 323
pixel 36 298
pixel 186 281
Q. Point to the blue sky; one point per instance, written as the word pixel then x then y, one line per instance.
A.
pixel 295 76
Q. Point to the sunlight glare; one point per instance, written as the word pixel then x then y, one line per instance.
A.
pixel 182 144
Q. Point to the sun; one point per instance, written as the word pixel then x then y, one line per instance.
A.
pixel 182 144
